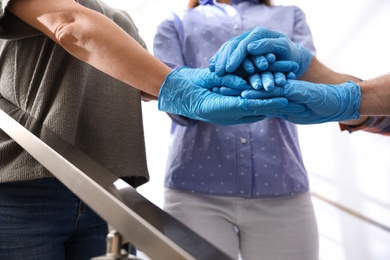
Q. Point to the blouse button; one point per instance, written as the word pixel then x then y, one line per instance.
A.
pixel 243 140
pixel 235 27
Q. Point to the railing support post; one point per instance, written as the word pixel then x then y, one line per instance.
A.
pixel 114 250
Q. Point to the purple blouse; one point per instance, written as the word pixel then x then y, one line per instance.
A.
pixel 262 159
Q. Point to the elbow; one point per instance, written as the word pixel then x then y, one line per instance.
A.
pixel 68 34
pixel 71 36
pixel 64 33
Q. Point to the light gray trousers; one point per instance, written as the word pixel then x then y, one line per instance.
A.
pixel 251 229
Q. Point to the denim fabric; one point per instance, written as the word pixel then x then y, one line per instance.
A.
pixel 43 220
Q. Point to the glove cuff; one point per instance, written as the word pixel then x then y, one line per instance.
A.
pixel 164 95
pixel 305 60
pixel 352 101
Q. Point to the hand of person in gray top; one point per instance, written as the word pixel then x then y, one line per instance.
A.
pixel 188 92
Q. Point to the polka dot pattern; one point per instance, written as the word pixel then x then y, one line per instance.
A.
pixel 262 159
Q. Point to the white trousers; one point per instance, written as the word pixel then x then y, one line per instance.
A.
pixel 251 229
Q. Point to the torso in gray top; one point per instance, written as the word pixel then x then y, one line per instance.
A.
pixel 96 113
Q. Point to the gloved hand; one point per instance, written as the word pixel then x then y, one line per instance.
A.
pixel 188 92
pixel 324 102
pixel 265 81
pixel 259 41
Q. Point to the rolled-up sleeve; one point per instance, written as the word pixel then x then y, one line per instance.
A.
pixel 374 124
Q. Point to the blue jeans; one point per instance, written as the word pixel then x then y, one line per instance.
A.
pixel 43 220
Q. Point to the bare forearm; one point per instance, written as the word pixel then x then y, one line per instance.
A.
pixel 95 39
pixel 320 73
pixel 375 96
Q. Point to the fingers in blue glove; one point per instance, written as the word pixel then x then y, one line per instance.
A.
pixel 267 78
pixel 260 62
pixel 230 91
pixel 256 94
pixel 262 106
pixel 284 49
pixel 239 53
pixel 291 75
pixel 219 60
pixel 216 63
pixel 280 79
pixel 248 66
pixel 262 94
pixel 271 58
pixel 230 81
pixel 232 53
pixel 216 90
pixel 283 66
pixel 255 81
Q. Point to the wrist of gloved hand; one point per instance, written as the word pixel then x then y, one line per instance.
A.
pixel 305 59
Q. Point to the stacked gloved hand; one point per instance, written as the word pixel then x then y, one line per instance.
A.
pixel 188 92
pixel 261 41
pixel 319 103
pixel 260 75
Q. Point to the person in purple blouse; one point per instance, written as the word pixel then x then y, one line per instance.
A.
pixel 243 187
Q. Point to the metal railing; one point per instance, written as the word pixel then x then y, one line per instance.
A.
pixel 134 219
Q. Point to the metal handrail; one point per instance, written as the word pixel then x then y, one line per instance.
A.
pixel 140 222
pixel 351 212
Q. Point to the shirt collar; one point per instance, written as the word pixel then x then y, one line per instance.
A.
pixel 206 2
pixel 234 2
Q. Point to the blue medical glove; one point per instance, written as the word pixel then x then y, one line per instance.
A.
pixel 284 49
pixel 291 75
pixel 259 41
pixel 255 81
pixel 271 58
pixel 261 62
pixel 280 79
pixel 188 92
pixel 268 80
pixel 230 91
pixel 324 102
pixel 264 80
pixel 248 66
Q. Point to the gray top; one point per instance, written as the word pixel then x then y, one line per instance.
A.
pixel 96 113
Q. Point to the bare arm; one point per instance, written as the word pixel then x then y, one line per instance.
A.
pixel 94 39
pixel 375 96
pixel 320 73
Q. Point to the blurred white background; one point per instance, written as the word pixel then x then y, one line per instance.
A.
pixel 351 169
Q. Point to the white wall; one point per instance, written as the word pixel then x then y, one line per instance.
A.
pixel 351 169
